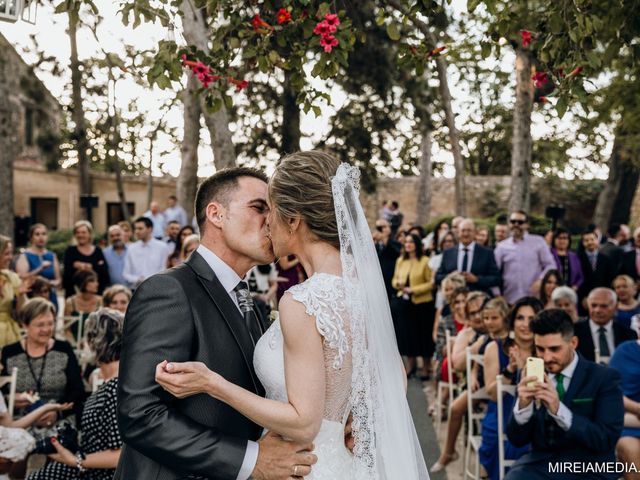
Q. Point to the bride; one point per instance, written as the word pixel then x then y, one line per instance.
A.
pixel 332 352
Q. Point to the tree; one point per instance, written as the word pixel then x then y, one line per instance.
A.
pixel 188 179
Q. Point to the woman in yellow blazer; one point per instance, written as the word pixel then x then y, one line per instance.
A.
pixel 412 280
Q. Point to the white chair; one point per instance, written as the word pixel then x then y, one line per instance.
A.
pixel 442 386
pixel 602 360
pixel 96 380
pixel 501 391
pixel 474 418
pixel 12 380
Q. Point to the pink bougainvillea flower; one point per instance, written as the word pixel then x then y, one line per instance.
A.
pixel 540 79
pixel 322 29
pixel 200 69
pixel 284 16
pixel 543 99
pixel 240 84
pixel 526 38
pixel 328 42
pixel 332 20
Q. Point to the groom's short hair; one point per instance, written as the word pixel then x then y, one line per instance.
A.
pixel 217 187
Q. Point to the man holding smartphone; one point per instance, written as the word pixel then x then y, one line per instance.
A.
pixel 575 415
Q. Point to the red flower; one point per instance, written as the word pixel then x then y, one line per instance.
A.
pixel 543 99
pixel 322 29
pixel 259 25
pixel 200 69
pixel 332 20
pixel 576 71
pixel 328 42
pixel 436 51
pixel 540 79
pixel 284 16
pixel 240 84
pixel 526 38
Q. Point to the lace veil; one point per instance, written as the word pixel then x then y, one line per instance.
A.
pixel 386 444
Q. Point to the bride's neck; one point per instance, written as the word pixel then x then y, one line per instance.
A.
pixel 319 257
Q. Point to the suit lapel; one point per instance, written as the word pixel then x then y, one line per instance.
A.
pixel 229 312
pixel 579 376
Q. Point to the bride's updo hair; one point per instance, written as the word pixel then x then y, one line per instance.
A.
pixel 301 185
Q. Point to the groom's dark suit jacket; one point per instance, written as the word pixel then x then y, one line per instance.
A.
pixel 183 314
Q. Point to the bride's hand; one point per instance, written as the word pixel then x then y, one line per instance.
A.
pixel 187 378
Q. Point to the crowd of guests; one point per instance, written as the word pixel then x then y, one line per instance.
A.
pixel 519 296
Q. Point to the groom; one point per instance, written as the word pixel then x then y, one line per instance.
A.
pixel 191 313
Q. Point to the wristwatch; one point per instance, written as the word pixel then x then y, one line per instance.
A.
pixel 80 457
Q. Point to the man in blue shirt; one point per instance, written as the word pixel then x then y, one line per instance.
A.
pixel 115 255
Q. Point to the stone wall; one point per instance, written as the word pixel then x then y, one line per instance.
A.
pixel 488 195
pixel 35 182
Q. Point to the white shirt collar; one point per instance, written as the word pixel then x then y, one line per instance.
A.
pixel 595 328
pixel 226 275
pixel 471 246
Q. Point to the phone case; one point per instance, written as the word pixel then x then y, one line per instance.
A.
pixel 535 368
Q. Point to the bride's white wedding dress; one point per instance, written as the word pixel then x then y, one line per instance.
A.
pixel 323 296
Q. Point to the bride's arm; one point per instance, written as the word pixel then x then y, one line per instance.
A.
pixel 300 418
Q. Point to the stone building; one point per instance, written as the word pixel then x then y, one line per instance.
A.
pixel 29 134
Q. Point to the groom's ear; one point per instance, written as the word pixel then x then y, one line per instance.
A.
pixel 215 214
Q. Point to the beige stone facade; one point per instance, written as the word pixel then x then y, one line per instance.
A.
pixel 53 199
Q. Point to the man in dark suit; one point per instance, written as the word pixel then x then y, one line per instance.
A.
pixel 388 252
pixel 476 263
pixel 600 329
pixel 612 250
pixel 193 312
pixel 631 259
pixel 575 415
pixel 596 268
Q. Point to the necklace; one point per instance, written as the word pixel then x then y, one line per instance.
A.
pixel 37 379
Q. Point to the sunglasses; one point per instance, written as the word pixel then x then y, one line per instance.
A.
pixel 517 222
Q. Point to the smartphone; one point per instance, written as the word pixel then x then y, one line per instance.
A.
pixel 535 368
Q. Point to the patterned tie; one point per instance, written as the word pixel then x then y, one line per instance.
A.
pixel 245 302
pixel 604 345
pixel 560 385
pixel 465 259
pixel 593 259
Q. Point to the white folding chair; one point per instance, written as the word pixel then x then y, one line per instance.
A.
pixel 12 380
pixel 501 391
pixel 474 418
pixel 442 386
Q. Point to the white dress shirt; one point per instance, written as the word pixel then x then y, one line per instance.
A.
pixel 595 334
pixel 143 260
pixel 470 249
pixel 159 223
pixel 229 280
pixel 563 416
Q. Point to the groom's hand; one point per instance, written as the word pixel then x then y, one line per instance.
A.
pixel 279 459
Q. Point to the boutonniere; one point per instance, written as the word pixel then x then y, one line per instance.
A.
pixel 273 316
pixel 582 400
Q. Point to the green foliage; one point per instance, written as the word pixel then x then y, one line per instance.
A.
pixel 59 240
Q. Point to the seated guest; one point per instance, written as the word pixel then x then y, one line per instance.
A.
pixel 476 263
pixel 575 415
pixel 174 258
pixel 41 288
pixel 497 360
pixel 100 443
pixel 447 241
pixel 13 294
pixel 628 304
pixel 472 335
pixel 550 282
pixel 626 360
pixel 567 261
pixel 48 366
pixel 117 297
pixel 452 282
pixel 565 298
pixel 600 329
pixel 85 301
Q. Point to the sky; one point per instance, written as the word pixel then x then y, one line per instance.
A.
pixel 49 29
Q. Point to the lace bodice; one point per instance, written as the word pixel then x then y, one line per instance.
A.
pixel 324 298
